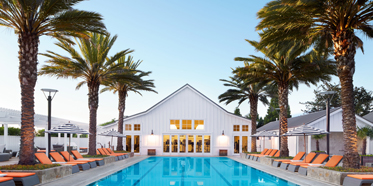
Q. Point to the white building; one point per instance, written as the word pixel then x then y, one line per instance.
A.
pixel 317 120
pixel 184 123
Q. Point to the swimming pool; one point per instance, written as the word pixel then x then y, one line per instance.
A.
pixel 190 171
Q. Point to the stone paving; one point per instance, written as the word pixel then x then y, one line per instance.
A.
pixel 92 175
pixel 293 177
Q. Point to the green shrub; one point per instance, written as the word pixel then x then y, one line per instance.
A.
pixel 369 155
pixel 341 169
pixel 253 152
pixel 94 156
pixel 286 157
pixel 107 123
pixel 28 167
pixel 121 151
pixel 318 151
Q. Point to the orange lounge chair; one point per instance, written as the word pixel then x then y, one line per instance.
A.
pixel 270 151
pixel 70 158
pixel 308 159
pixel 277 154
pixel 250 156
pixel 294 166
pixel 112 152
pixel 43 159
pixel 119 155
pixel 278 162
pixel 357 179
pixel 78 156
pixel 333 161
pixel 83 165
pixel 101 150
pixel 23 178
pixel 7 181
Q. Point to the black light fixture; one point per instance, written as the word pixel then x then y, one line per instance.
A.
pixel 49 98
pixel 329 95
pixel 222 133
pixel 152 132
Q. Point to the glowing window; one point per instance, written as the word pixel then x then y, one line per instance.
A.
pixel 136 127
pixel 199 125
pixel 174 124
pixel 128 127
pixel 245 127
pixel 236 128
pixel 187 124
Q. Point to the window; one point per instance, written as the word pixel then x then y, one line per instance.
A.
pixel 136 127
pixel 174 124
pixel 187 124
pixel 128 127
pixel 236 128
pixel 245 127
pixel 198 125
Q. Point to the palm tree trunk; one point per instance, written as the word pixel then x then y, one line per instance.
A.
pixel 254 113
pixel 317 145
pixel 93 105
pixel 283 92
pixel 121 107
pixel 28 50
pixel 344 51
pixel 364 147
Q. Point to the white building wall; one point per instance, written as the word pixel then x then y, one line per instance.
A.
pixel 186 104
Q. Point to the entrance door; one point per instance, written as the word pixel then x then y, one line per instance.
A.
pixel 236 146
pixel 174 143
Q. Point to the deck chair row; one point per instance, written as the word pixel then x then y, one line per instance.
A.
pixel 265 152
pixel 109 152
pixel 300 162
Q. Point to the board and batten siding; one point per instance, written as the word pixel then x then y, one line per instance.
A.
pixel 189 104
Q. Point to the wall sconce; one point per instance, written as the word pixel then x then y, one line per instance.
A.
pixel 152 132
pixel 222 133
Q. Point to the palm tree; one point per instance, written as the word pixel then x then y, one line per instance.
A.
pixel 285 72
pixel 363 133
pixel 318 137
pixel 241 91
pixel 124 86
pixel 327 24
pixel 93 65
pixel 30 20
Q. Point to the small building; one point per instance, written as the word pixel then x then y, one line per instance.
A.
pixel 317 120
pixel 184 123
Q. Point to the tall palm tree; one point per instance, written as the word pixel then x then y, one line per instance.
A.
pixel 124 86
pixel 285 72
pixel 30 20
pixel 241 91
pixel 326 24
pixel 93 65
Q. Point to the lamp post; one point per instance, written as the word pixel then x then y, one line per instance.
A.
pixel 49 98
pixel 279 128
pixel 327 93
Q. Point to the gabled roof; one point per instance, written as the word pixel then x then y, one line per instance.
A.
pixel 369 117
pixel 299 120
pixel 170 96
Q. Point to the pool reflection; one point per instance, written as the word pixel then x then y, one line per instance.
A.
pixel 190 171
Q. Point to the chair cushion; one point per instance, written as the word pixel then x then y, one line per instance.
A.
pixel 361 176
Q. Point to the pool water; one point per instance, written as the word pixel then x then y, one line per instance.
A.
pixel 190 171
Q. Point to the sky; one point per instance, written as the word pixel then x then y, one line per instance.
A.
pixel 181 42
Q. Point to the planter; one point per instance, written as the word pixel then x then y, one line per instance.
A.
pixel 50 174
pixel 330 176
pixel 109 159
pixel 131 154
pixel 243 155
pixel 366 159
pixel 266 161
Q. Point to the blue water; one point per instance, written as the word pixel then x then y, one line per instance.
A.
pixel 190 171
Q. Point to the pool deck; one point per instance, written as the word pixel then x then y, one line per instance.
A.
pixel 293 177
pixel 90 176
